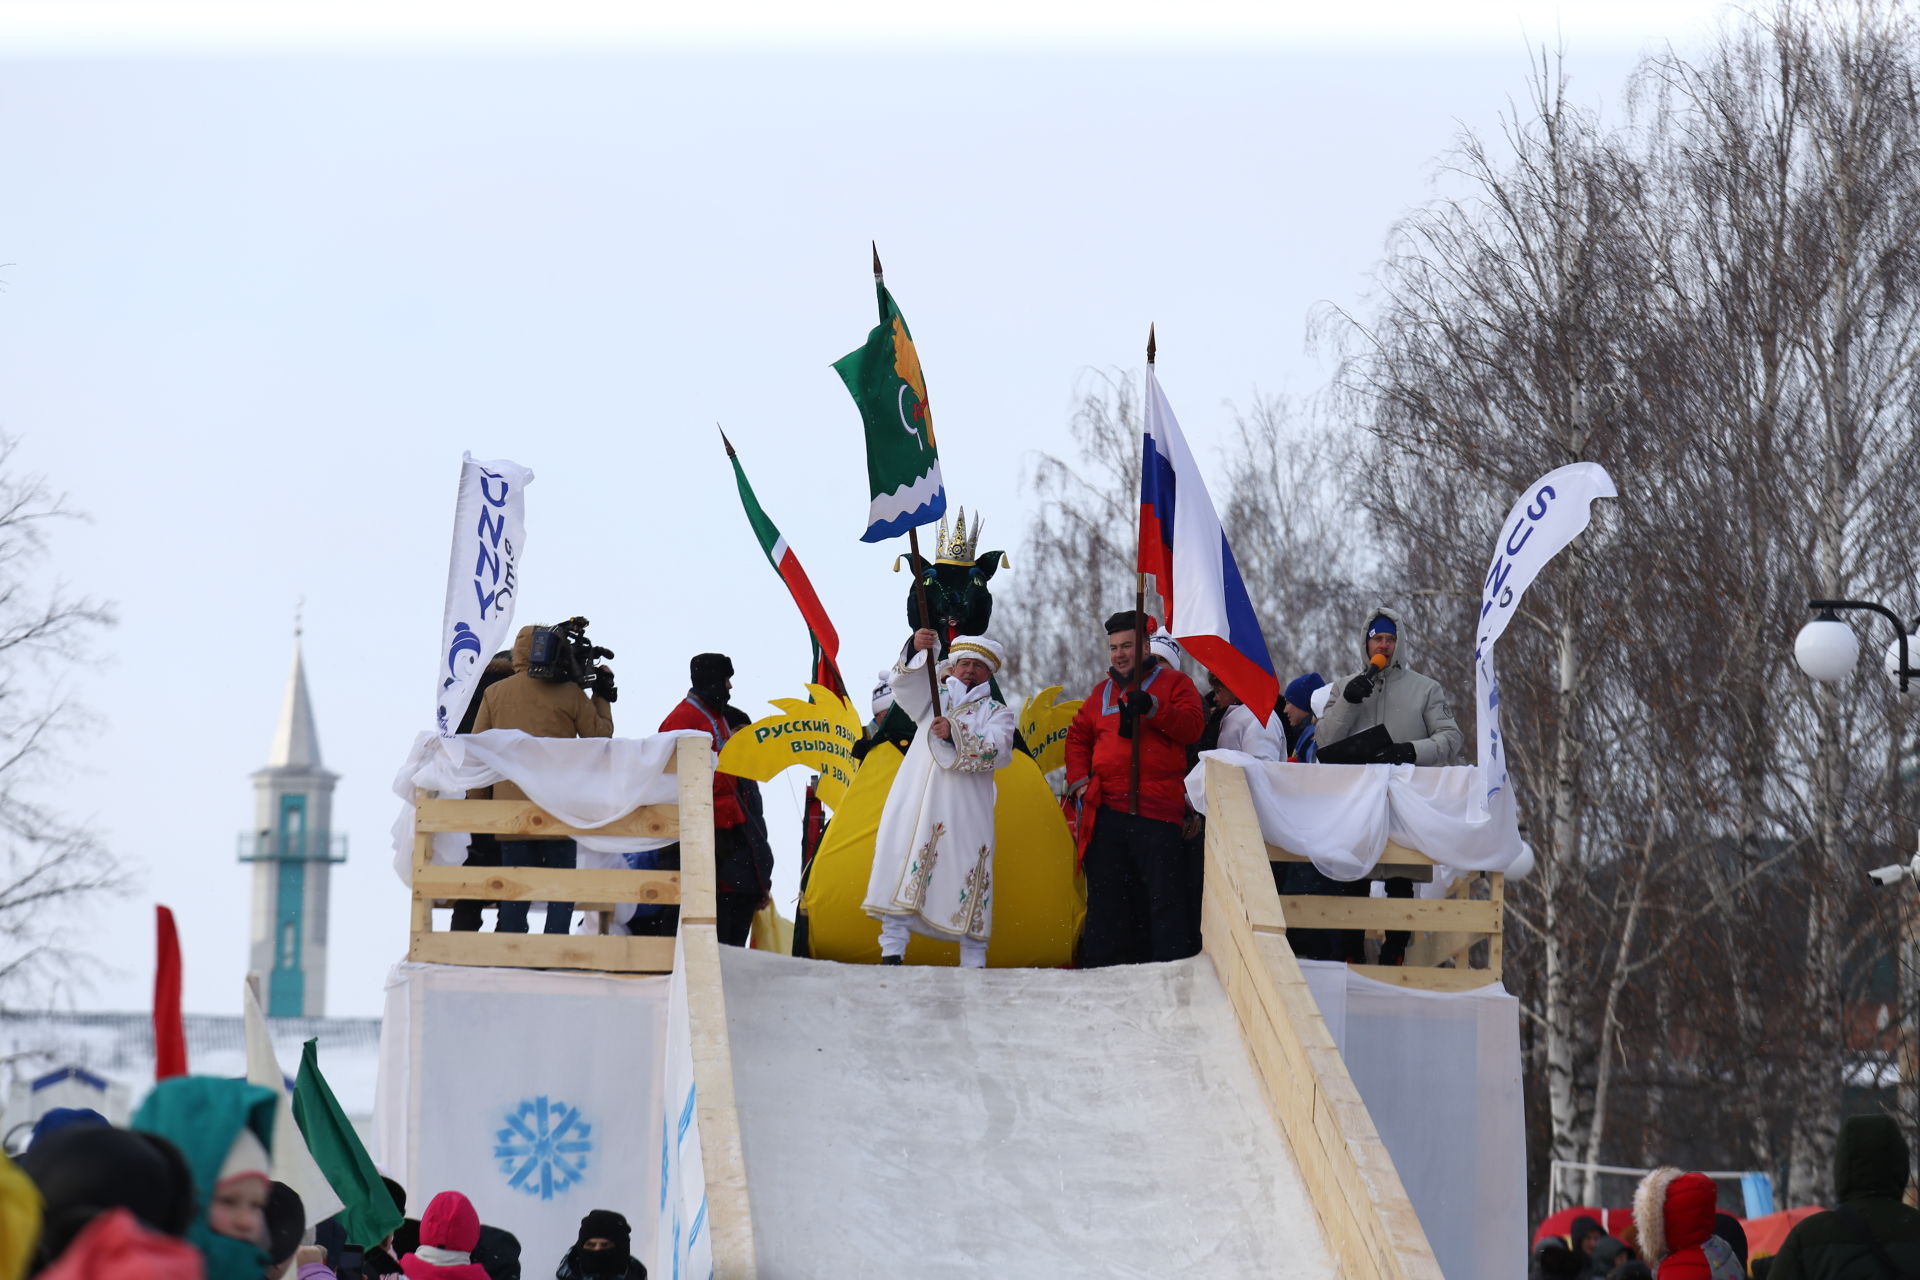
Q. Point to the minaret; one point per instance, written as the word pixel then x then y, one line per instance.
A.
pixel 292 849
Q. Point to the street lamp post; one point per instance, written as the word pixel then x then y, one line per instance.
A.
pixel 1827 650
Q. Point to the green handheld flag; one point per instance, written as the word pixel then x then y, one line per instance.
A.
pixel 370 1215
pixel 826 641
pixel 903 461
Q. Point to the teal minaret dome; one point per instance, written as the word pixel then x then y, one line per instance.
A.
pixel 292 849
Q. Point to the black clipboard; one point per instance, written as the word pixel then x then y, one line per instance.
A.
pixel 1363 747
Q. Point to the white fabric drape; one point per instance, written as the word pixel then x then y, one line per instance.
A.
pixel 1440 1074
pixel 584 782
pixel 1341 816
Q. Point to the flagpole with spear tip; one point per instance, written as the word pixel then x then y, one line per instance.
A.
pixel 913 531
pixel 1139 628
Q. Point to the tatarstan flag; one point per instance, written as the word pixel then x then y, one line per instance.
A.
pixel 826 642
pixel 903 461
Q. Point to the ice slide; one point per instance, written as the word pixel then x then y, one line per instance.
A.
pixel 1192 1118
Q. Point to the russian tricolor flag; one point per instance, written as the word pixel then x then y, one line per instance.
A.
pixel 1183 546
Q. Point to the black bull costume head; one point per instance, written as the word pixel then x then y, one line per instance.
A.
pixel 958 601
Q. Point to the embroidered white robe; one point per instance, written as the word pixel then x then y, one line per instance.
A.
pixel 933 860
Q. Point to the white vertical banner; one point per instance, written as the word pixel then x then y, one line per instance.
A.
pixel 483 579
pixel 1550 514
pixel 292 1162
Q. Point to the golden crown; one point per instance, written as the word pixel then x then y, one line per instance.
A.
pixel 962 545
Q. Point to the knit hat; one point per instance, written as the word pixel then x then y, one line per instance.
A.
pixel 1300 690
pixel 1166 648
pixel 60 1117
pixel 985 648
pixel 710 669
pixel 605 1224
pixel 1123 621
pixel 1382 625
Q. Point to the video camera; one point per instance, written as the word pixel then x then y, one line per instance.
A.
pixel 562 653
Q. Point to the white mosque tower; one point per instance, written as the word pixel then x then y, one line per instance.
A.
pixel 292 849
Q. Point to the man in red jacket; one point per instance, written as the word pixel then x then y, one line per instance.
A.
pixel 1142 899
pixel 742 882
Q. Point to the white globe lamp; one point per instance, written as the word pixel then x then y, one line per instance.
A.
pixel 1826 649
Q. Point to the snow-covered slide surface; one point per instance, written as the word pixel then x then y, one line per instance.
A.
pixel 934 1122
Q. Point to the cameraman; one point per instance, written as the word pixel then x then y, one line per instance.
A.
pixel 543 709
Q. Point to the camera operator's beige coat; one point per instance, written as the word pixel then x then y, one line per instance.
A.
pixel 539 708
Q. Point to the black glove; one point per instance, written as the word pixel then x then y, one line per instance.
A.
pixel 603 684
pixel 1396 753
pixel 1138 703
pixel 1358 688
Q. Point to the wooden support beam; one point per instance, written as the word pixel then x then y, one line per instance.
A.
pixel 1496 945
pixel 531 884
pixel 545 951
pixel 1233 842
pixel 523 818
pixel 422 859
pixel 729 1210
pixel 1370 1227
pixel 699 899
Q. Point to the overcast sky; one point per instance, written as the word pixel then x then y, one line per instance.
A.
pixel 271 268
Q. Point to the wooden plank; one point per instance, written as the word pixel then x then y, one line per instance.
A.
pixel 1366 1218
pixel 1423 979
pixel 729 1210
pixel 545 951
pixel 698 894
pixel 532 884
pixel 524 818
pixel 422 859
pixel 1233 837
pixel 1426 914
pixel 1394 855
pixel 1496 945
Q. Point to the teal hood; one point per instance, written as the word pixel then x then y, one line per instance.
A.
pixel 202 1116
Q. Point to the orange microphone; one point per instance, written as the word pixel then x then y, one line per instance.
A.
pixel 1378 661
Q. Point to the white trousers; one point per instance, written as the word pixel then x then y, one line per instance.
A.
pixel 894 931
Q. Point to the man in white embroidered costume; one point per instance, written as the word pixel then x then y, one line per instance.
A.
pixel 933 860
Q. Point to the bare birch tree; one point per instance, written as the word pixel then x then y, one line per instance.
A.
pixel 50 863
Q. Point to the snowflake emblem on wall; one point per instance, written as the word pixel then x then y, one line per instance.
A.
pixel 542 1147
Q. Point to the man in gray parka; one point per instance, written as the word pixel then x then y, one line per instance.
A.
pixel 1411 707
pixel 1415 714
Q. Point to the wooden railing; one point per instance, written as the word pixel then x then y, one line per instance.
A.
pixel 1445 930
pixel 1370 1225
pixel 690 821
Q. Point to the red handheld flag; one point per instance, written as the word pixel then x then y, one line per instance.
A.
pixel 169 1032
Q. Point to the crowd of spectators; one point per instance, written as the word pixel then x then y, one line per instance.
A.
pixel 185 1192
